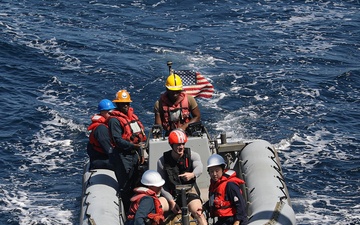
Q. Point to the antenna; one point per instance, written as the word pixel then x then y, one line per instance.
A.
pixel 169 64
pixel 171 71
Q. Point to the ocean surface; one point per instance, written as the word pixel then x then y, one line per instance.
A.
pixel 284 71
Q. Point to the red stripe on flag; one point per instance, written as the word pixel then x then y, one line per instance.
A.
pixel 202 89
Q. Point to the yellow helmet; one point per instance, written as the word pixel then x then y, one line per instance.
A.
pixel 174 83
pixel 122 96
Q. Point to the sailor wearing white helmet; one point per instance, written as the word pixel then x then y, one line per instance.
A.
pixel 146 204
pixel 225 199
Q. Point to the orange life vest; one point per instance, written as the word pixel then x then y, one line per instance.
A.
pixel 141 192
pixel 130 122
pixel 168 108
pixel 96 121
pixel 220 207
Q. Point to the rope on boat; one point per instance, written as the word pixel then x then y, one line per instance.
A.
pixel 281 177
pixel 90 219
pixel 275 216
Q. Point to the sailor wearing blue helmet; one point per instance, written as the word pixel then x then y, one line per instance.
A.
pixel 99 147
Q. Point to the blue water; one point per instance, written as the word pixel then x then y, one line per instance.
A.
pixel 284 71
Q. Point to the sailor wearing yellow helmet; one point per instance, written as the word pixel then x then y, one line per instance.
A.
pixel 175 109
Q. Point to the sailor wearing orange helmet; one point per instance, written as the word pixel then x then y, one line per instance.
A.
pixel 127 133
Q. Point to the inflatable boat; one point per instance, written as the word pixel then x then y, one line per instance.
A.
pixel 255 161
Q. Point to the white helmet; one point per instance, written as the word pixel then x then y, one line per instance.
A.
pixel 152 178
pixel 216 160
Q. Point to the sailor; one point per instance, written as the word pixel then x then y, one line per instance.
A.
pixel 146 206
pixel 175 109
pixel 225 199
pixel 99 147
pixel 127 133
pixel 178 166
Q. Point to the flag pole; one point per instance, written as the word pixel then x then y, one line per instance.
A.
pixel 169 64
pixel 171 71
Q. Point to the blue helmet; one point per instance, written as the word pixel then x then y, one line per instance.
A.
pixel 105 104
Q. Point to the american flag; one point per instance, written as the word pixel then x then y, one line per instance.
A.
pixel 195 84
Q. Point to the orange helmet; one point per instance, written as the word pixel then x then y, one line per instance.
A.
pixel 122 96
pixel 177 136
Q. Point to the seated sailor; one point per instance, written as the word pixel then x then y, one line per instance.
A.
pixel 179 166
pixel 225 199
pixel 146 205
